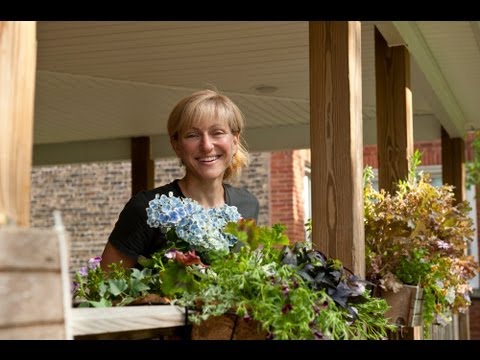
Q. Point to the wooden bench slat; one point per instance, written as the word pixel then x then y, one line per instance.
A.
pixel 87 321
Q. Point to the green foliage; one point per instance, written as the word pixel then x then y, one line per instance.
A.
pixel 473 166
pixel 294 292
pixel 411 270
pixel 417 236
pixel 119 287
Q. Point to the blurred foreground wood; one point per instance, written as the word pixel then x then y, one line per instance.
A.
pixel 128 322
pixel 34 286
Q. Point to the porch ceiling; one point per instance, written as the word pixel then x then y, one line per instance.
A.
pixel 100 83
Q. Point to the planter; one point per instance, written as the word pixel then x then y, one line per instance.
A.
pixel 406 306
pixel 228 327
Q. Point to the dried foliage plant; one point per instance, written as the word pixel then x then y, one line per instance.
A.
pixel 418 236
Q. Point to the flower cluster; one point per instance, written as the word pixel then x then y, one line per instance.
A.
pixel 93 264
pixel 200 228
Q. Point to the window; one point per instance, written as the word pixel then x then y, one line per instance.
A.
pixel 307 196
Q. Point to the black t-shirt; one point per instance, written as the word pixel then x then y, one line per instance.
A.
pixel 133 236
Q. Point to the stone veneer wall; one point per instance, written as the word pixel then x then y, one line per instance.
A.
pixel 90 197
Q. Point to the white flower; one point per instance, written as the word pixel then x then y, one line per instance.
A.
pixel 443 245
pixel 450 297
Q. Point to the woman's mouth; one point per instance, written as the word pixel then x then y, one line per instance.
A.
pixel 208 159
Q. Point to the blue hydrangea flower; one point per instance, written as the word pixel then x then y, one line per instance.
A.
pixel 201 228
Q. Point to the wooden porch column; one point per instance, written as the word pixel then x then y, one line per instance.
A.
pixel 336 141
pixel 394 112
pixel 18 53
pixel 453 173
pixel 394 125
pixel 143 173
pixel 453 164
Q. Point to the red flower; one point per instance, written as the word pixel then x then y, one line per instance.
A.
pixel 188 258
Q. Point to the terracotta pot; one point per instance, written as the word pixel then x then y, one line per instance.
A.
pixel 228 327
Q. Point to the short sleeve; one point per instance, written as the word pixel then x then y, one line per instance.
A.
pixel 131 234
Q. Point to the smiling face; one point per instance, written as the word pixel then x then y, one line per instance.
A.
pixel 206 148
pixel 205 130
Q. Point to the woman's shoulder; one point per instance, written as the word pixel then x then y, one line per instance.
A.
pixel 239 192
pixel 143 197
pixel 246 203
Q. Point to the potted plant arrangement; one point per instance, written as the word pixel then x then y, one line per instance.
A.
pixel 418 237
pixel 224 269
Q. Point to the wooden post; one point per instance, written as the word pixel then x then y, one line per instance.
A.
pixel 394 112
pixel 18 49
pixel 394 125
pixel 336 141
pixel 453 164
pixel 453 173
pixel 142 166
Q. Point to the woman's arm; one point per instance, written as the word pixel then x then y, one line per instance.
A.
pixel 112 255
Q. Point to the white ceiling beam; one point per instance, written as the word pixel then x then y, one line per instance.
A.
pixel 389 33
pixel 81 152
pixel 455 121
pixel 257 139
pixel 475 25
pixel 425 128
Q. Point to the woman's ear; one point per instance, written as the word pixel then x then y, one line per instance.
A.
pixel 236 139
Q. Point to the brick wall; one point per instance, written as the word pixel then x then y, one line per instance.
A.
pixel 287 169
pixel 474 315
pixel 431 153
pixel 90 197
pixel 257 179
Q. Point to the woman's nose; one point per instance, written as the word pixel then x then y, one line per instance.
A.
pixel 207 143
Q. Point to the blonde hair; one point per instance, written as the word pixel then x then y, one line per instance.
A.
pixel 207 104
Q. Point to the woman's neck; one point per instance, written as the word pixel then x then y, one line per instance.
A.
pixel 208 194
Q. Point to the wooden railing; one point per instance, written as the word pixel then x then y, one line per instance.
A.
pixel 450 331
pixel 130 322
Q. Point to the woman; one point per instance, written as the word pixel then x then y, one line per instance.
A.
pixel 205 132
